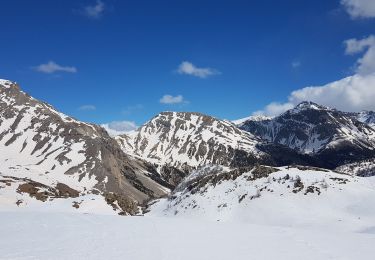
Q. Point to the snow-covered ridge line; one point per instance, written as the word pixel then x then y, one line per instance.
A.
pixel 6 83
pixel 39 143
pixel 363 168
pixel 319 131
pixel 291 196
pixel 188 139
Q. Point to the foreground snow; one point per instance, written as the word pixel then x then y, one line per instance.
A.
pixel 286 197
pixel 264 213
pixel 75 236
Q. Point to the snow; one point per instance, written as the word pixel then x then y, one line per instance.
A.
pixel 361 168
pixel 237 218
pixel 338 224
pixel 21 159
pixel 5 83
pixel 169 138
pixel 88 203
pixel 271 200
pixel 72 236
pixel 310 138
pixel 307 105
pixel 367 117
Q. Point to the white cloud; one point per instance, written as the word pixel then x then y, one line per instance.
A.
pixel 52 67
pixel 87 107
pixel 94 11
pixel 189 68
pixel 353 93
pixel 360 8
pixel 170 100
pixel 119 127
pixel 365 64
pixel 274 108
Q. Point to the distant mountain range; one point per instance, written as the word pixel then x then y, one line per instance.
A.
pixel 48 158
pixel 331 136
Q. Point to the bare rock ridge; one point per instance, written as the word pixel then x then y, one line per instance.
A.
pixel 43 145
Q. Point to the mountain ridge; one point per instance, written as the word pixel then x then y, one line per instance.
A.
pixel 45 146
pixel 320 131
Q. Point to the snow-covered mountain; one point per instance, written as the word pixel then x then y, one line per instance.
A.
pixel 47 155
pixel 53 166
pixel 187 140
pixel 367 117
pixel 48 158
pixel 328 134
pixel 363 168
pixel 292 196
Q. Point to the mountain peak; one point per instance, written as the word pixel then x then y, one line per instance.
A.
pixel 185 116
pixel 307 105
pixel 187 140
pixel 6 83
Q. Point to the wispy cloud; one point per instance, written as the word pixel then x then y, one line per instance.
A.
pixel 274 109
pixel 171 100
pixel 365 64
pixel 353 93
pixel 296 64
pixel 131 109
pixel 360 8
pixel 87 108
pixel 119 127
pixel 52 67
pixel 94 11
pixel 189 68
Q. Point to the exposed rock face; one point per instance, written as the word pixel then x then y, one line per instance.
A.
pixel 189 140
pixel 46 146
pixel 331 136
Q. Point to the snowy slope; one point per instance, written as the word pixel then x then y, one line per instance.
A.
pixel 20 194
pixel 274 196
pixel 186 140
pixel 67 236
pixel 361 168
pixel 43 145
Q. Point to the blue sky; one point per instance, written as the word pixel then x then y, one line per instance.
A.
pixel 112 60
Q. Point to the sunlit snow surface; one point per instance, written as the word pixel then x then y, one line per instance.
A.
pixel 337 224
pixel 67 236
pixel 345 201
